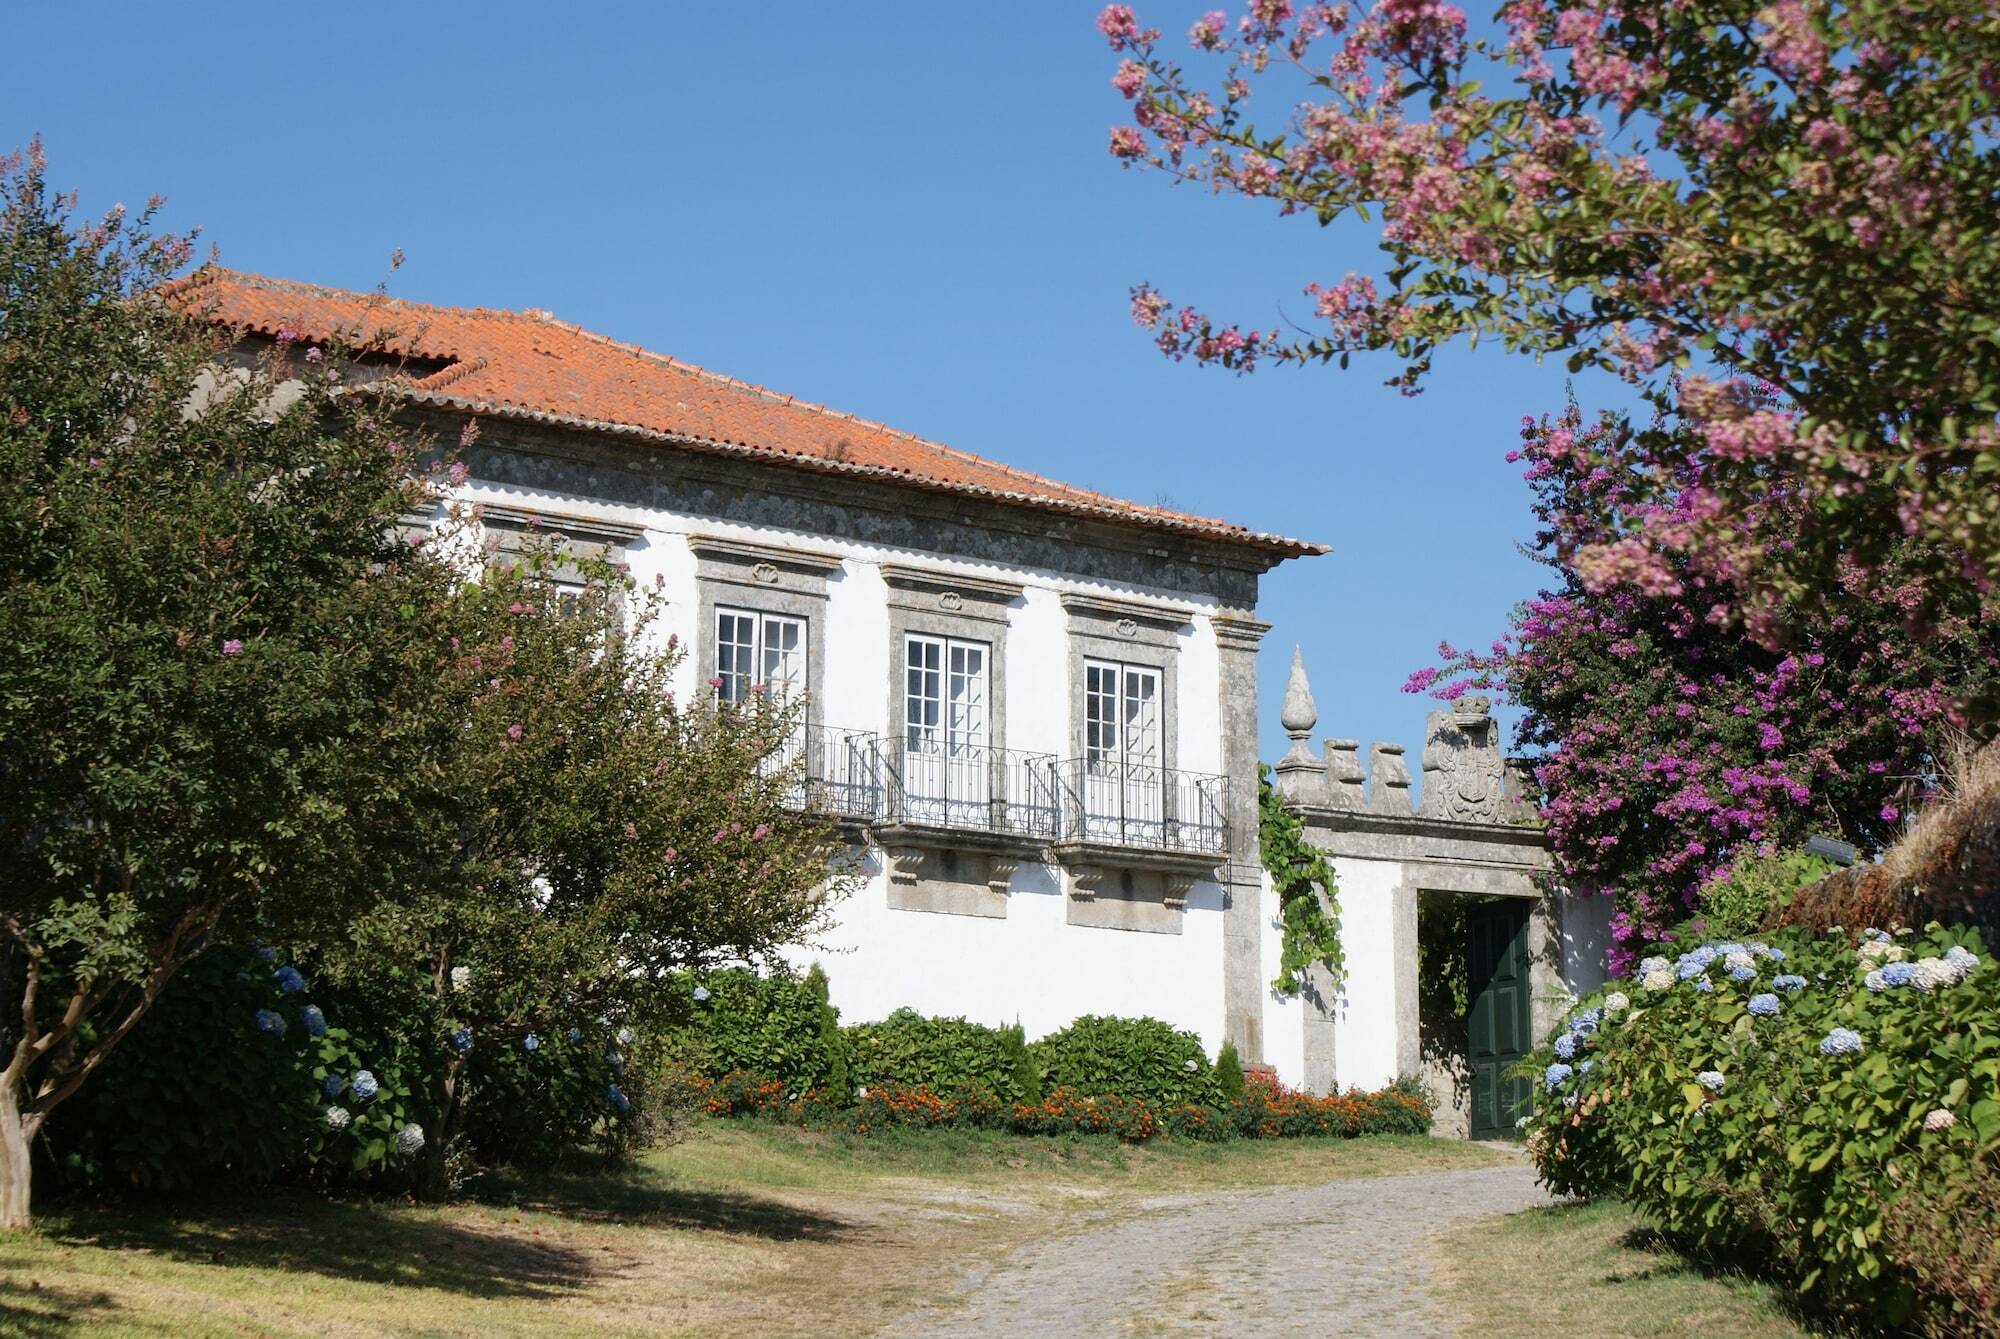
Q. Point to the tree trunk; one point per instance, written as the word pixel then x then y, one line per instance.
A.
pixel 433 1170
pixel 15 1136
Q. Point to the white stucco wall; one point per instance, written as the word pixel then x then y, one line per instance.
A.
pixel 1031 965
pixel 1365 1020
pixel 1284 1017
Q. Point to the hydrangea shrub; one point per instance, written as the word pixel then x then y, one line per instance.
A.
pixel 1790 1113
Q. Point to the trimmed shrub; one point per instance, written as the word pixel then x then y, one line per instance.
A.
pixel 768 1025
pixel 1815 1104
pixel 1228 1073
pixel 1138 1058
pixel 1027 1075
pixel 911 1050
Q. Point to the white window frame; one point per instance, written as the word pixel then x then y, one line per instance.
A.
pixel 734 684
pixel 1124 786
pixel 947 721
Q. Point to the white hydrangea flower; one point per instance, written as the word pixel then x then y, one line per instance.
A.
pixel 1710 1079
pixel 1739 961
pixel 1647 966
pixel 1930 973
pixel 1940 1119
pixel 1878 951
pixel 337 1118
pixel 410 1140
pixel 626 1036
pixel 1661 979
pixel 461 977
pixel 1616 1002
pixel 1874 981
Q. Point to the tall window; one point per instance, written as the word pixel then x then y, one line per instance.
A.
pixel 758 649
pixel 1121 714
pixel 1124 788
pixel 946 721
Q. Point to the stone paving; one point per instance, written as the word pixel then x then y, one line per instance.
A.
pixel 1340 1257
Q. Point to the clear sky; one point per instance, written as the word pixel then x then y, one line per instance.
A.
pixel 901 210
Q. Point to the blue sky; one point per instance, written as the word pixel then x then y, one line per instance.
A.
pixel 905 211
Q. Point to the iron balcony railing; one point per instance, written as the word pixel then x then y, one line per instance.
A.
pixel 1142 806
pixel 843 773
pixel 975 788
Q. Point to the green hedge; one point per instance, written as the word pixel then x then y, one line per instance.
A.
pixel 1140 1058
pixel 911 1050
pixel 1827 1108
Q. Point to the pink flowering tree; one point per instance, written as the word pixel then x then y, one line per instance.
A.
pixel 1670 744
pixel 1776 219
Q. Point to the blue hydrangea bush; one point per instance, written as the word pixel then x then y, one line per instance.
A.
pixel 1828 1108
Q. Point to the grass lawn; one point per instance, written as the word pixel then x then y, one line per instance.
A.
pixel 746 1228
pixel 1594 1269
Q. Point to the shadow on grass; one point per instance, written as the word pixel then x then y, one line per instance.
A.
pixel 606 1191
pixel 36 1310
pixel 355 1241
pixel 1675 1256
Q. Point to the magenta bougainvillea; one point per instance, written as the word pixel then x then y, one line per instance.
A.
pixel 1709 198
pixel 1669 741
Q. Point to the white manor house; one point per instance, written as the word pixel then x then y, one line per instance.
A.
pixel 1032 706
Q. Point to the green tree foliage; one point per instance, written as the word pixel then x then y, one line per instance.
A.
pixel 206 618
pixel 589 836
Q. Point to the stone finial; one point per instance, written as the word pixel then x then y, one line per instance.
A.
pixel 1388 781
pixel 1464 777
pixel 1344 776
pixel 1300 714
pixel 1301 778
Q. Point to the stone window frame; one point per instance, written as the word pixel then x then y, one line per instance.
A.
pixel 763 579
pixel 1126 633
pixel 581 536
pixel 929 603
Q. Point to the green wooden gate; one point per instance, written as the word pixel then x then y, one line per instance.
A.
pixel 1500 1025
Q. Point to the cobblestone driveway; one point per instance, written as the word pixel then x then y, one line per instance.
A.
pixel 1341 1257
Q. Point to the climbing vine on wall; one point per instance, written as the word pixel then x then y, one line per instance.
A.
pixel 1301 876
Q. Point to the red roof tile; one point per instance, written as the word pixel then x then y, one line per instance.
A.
pixel 530 365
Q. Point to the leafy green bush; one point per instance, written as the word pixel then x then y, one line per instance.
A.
pixel 768 1025
pixel 1734 905
pixel 222 1083
pixel 911 1050
pixel 1804 1102
pixel 1138 1058
pixel 1228 1073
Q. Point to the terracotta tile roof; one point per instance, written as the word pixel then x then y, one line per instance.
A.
pixel 530 365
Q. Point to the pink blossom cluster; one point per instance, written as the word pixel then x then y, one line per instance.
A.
pixel 1668 742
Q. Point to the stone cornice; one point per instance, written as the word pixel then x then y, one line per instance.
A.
pixel 1238 631
pixel 1113 611
pixel 743 553
pixel 591 529
pixel 1438 841
pixel 930 581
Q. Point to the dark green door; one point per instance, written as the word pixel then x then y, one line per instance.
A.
pixel 1499 1023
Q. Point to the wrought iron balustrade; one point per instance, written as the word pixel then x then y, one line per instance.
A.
pixel 842 772
pixel 975 788
pixel 1144 807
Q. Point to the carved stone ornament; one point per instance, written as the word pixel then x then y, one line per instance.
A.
pixel 1127 628
pixel 1465 779
pixel 1301 778
pixel 951 600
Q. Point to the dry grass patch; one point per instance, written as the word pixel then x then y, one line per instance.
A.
pixel 745 1228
